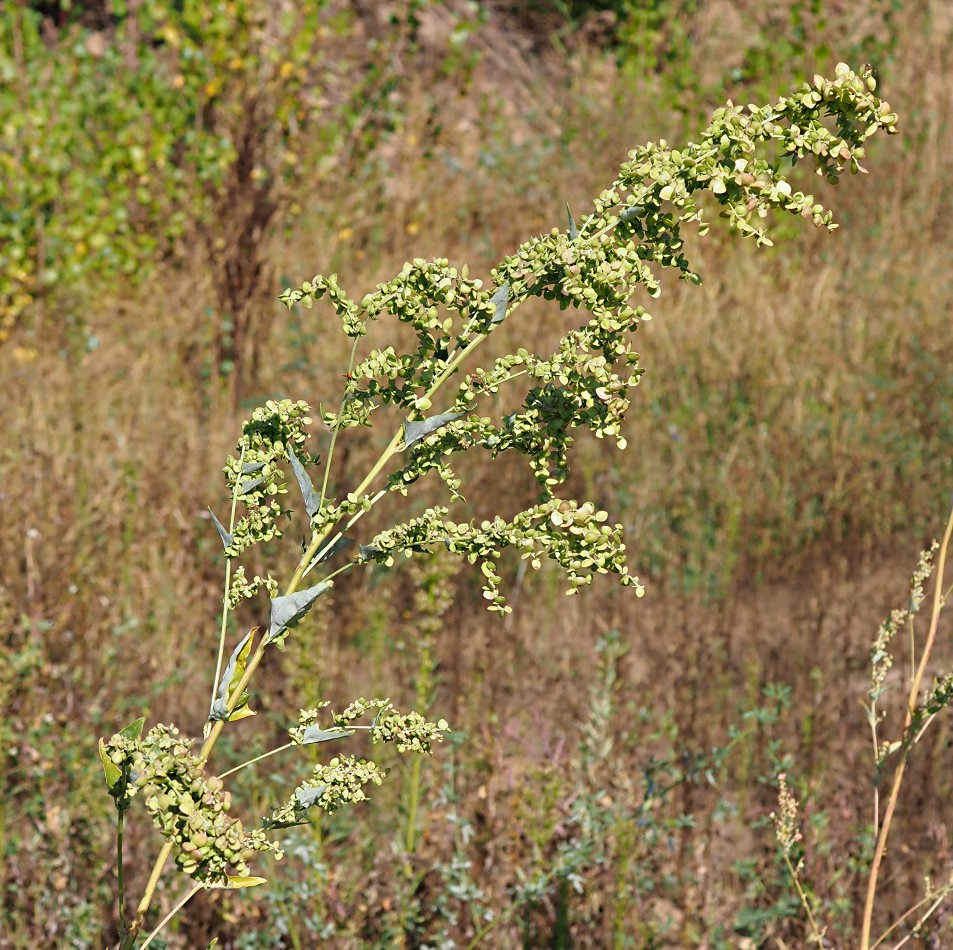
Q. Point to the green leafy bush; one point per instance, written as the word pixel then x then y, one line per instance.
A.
pixel 185 122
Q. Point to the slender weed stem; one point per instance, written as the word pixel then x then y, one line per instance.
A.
pixel 912 700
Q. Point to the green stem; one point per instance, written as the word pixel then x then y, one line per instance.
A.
pixel 340 534
pixel 257 758
pixel 119 867
pixel 804 901
pixel 410 842
pixel 228 577
pixel 334 433
pixel 319 538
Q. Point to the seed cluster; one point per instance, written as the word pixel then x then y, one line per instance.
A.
pixel 189 807
pixel 256 475
pixel 333 785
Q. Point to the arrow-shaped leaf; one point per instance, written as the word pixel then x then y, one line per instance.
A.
pixel 222 533
pixel 250 485
pixel 338 546
pixel 417 429
pixel 573 230
pixel 289 609
pixel 134 729
pixel 113 772
pixel 249 468
pixel 316 734
pixel 312 498
pixel 499 300
pixel 232 676
pixel 306 797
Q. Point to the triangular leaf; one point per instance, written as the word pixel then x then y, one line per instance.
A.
pixel 417 429
pixel 289 609
pixel 113 772
pixel 316 734
pixel 312 498
pixel 499 300
pixel 222 533
pixel 573 230
pixel 306 797
pixel 250 485
pixel 117 776
pixel 232 676
pixel 338 546
pixel 249 468
pixel 134 729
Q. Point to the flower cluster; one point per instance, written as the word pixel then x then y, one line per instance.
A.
pixel 881 659
pixel 408 732
pixel 256 476
pixel 187 806
pixel 332 786
pixel 242 589
pixel 785 819
pixel 575 536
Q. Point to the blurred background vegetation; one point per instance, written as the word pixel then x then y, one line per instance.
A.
pixel 168 166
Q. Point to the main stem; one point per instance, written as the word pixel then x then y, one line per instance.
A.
pixel 128 940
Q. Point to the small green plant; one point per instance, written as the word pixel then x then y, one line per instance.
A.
pixel 923 704
pixel 595 267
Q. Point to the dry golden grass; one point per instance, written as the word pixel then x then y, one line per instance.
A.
pixel 790 450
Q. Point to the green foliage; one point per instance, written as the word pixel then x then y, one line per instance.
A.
pixel 120 145
pixel 85 167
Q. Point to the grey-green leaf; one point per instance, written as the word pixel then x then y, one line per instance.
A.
pixel 415 430
pixel 250 485
pixel 335 548
pixel 573 230
pixel 289 609
pixel 312 498
pixel 222 533
pixel 499 300
pixel 317 734
pixel 233 671
pixel 249 468
pixel 307 797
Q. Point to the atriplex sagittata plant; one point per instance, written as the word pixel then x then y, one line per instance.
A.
pixel 595 266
